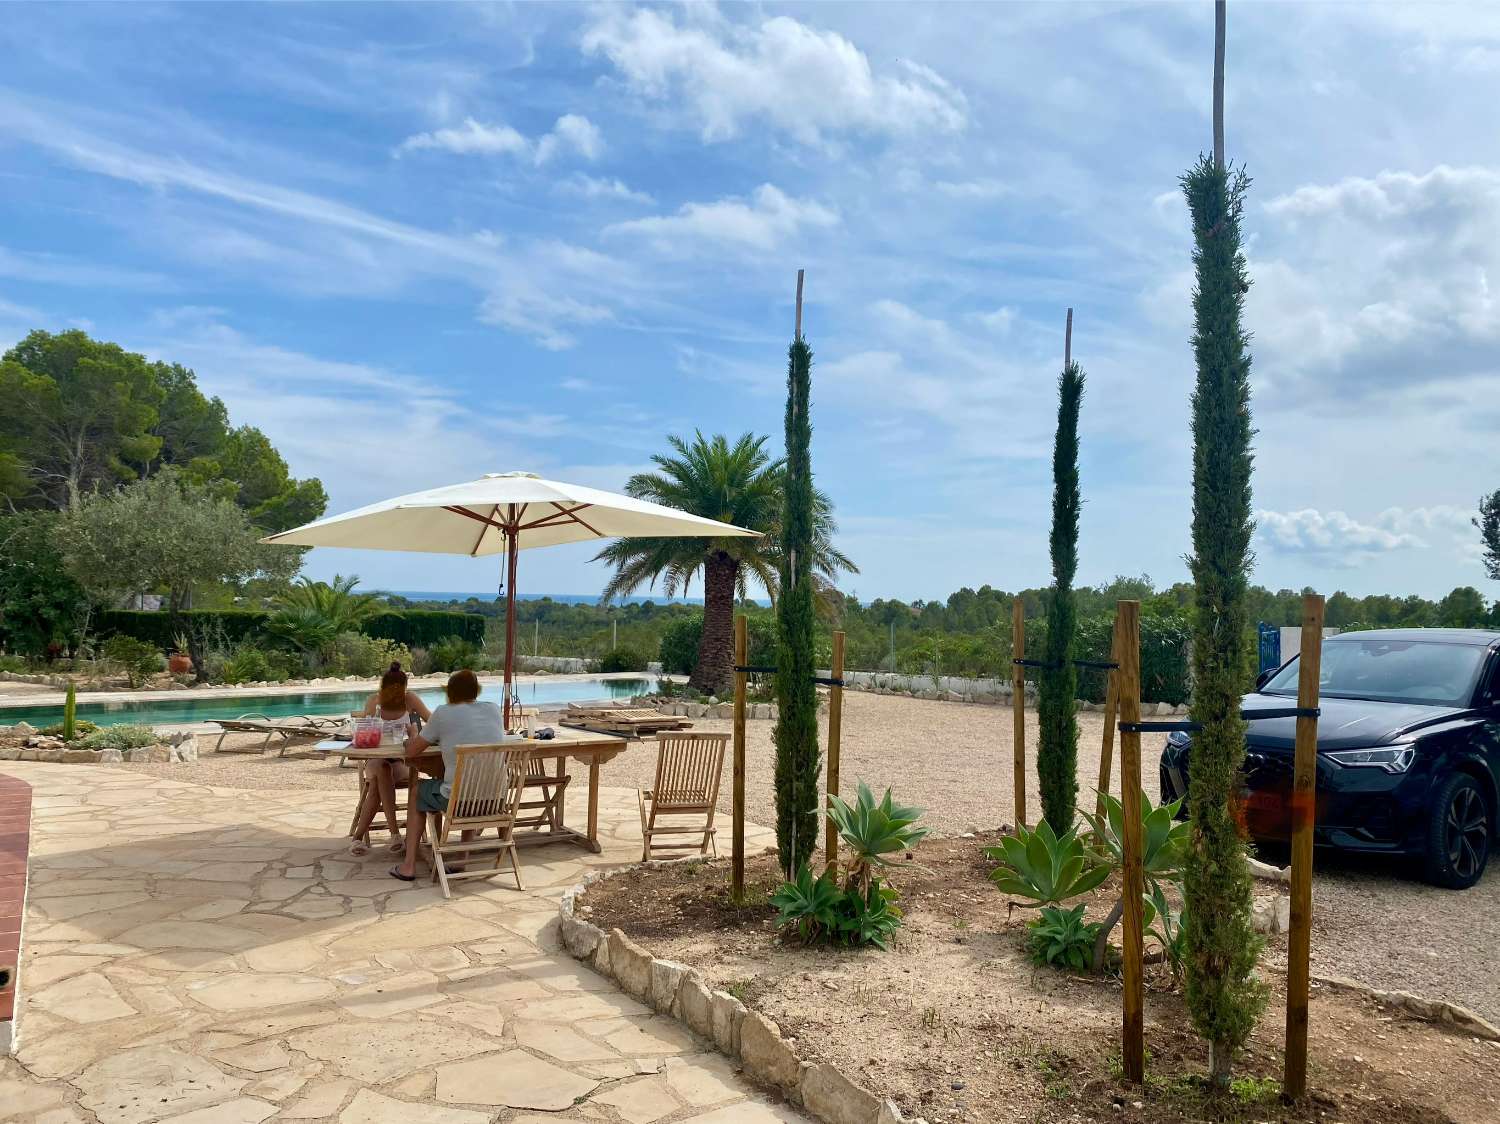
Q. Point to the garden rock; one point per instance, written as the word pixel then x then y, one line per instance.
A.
pixel 728 1019
pixel 80 757
pixel 833 1098
pixel 695 1006
pixel 766 1055
pixel 1271 914
pixel 630 964
pixel 150 755
pixel 666 978
pixel 23 730
pixel 110 757
pixel 184 751
pixel 579 937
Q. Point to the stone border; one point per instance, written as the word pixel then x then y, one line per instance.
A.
pixel 1428 1010
pixel 742 1035
pixel 180 747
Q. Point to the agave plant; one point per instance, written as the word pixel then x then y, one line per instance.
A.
pixel 1168 928
pixel 1163 843
pixel 808 905
pixel 1045 868
pixel 873 831
pixel 1163 836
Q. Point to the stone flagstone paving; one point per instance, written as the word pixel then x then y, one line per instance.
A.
pixel 214 956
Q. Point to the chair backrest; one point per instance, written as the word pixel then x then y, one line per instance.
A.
pixel 487 784
pixel 687 770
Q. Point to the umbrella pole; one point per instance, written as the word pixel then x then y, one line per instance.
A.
pixel 511 552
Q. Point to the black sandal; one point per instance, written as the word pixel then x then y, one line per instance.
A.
pixel 395 872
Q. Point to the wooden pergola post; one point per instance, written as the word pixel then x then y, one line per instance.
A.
pixel 1111 710
pixel 835 728
pixel 1133 938
pixel 1304 814
pixel 1018 707
pixel 741 660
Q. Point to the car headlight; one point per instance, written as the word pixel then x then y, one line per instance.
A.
pixel 1393 759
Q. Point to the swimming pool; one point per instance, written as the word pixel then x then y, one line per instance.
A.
pixel 171 712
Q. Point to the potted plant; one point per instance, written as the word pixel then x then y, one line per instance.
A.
pixel 179 662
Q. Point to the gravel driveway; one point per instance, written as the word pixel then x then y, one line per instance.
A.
pixel 1372 921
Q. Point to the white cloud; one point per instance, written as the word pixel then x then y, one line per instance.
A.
pixel 1375 282
pixel 806 82
pixel 591 187
pixel 762 222
pixel 469 139
pixel 571 135
pixel 1340 540
pixel 1000 320
pixel 973 189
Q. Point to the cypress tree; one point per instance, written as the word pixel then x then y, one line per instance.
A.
pixel 796 733
pixel 1222 995
pixel 1057 749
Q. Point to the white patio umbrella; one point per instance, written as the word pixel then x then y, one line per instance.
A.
pixel 502 511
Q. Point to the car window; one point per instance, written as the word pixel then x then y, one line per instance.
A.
pixel 1408 671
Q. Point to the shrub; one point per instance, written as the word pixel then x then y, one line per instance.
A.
pixel 421 661
pixel 120 737
pixel 1061 938
pixel 305 629
pixel 623 659
pixel 819 909
pixel 357 654
pixel 679 643
pixel 453 653
pixel 138 659
pixel 246 664
pixel 81 727
pixel 15 664
pixel 411 627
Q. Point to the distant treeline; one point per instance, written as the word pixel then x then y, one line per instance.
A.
pixel 967 634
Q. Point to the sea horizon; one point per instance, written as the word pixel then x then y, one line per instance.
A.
pixel 562 598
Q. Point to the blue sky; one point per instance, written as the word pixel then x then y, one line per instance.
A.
pixel 419 243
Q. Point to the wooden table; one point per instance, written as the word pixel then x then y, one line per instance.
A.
pixel 581 745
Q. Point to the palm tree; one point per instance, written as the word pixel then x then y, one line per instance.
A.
pixel 312 614
pixel 737 484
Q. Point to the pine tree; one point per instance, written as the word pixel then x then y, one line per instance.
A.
pixel 1223 997
pixel 796 734
pixel 1057 750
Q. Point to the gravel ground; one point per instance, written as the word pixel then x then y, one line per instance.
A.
pixel 1372 921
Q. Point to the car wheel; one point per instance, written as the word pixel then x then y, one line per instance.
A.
pixel 1460 824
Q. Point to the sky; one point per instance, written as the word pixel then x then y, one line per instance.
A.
pixel 415 244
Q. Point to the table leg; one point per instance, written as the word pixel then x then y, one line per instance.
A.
pixel 593 835
pixel 562 795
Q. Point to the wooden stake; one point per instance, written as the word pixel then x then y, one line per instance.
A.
pixel 1068 342
pixel 1018 707
pixel 1111 709
pixel 1304 813
pixel 1133 1045
pixel 835 727
pixel 741 659
pixel 1219 82
pixel 799 303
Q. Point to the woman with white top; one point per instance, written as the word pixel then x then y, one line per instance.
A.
pixel 397 708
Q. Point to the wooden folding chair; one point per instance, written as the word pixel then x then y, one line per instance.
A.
pixel 487 784
pixel 548 810
pixel 687 784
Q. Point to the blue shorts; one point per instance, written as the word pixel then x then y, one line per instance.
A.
pixel 430 796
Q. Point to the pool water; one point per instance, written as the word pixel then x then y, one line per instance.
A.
pixel 169 712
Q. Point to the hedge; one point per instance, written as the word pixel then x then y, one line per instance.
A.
pixel 1166 653
pixel 416 628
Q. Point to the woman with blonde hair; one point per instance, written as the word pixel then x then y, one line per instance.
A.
pixel 399 710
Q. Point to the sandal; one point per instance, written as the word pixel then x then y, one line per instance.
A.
pixel 395 872
pixel 397 844
pixel 359 848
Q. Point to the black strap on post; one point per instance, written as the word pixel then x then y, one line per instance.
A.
pixel 1036 663
pixel 1103 665
pixel 756 669
pixel 1195 727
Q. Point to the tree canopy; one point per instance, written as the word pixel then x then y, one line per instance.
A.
pixel 86 416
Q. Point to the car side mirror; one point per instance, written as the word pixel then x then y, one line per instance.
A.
pixel 1264 677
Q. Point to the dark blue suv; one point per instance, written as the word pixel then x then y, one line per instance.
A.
pixel 1408 749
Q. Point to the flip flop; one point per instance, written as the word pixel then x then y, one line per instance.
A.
pixel 395 872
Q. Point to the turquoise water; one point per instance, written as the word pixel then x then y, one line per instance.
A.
pixel 168 712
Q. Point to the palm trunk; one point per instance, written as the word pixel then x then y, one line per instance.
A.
pixel 714 672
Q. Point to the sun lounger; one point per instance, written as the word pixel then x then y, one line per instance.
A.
pixel 288 729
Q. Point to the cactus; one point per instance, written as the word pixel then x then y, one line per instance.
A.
pixel 70 714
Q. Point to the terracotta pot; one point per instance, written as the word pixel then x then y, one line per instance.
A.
pixel 179 663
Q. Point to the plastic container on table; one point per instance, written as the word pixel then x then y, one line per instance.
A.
pixel 367 733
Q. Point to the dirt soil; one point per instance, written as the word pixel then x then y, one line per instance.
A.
pixel 956 1024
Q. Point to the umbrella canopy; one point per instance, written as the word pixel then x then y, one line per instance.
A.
pixel 482 516
pixel 502 512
